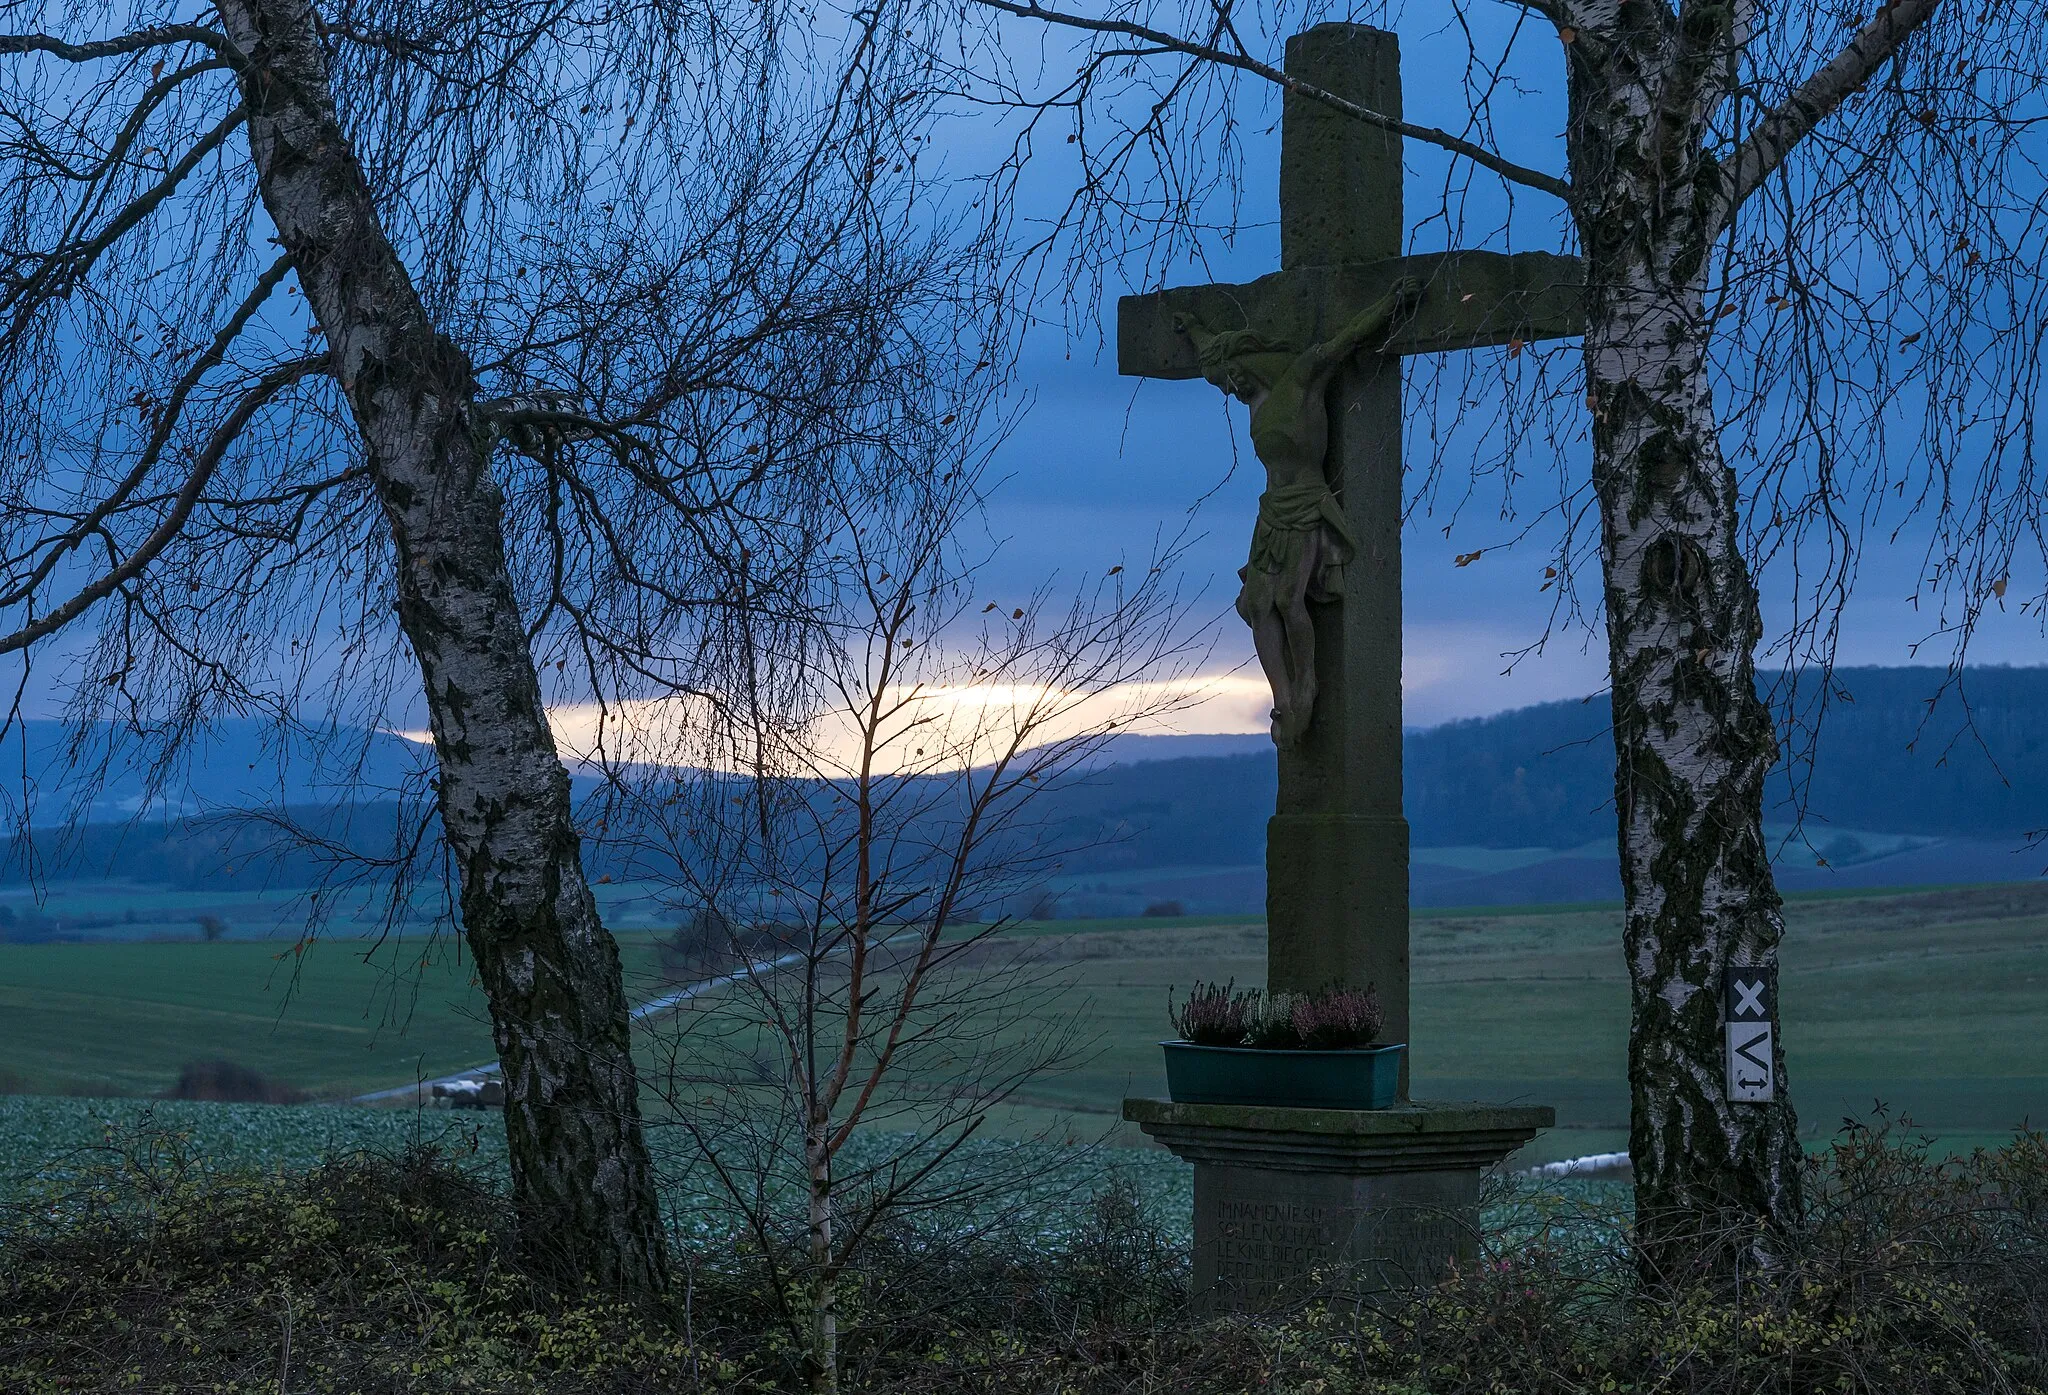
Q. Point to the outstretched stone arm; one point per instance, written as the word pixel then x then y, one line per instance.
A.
pixel 1199 334
pixel 1367 325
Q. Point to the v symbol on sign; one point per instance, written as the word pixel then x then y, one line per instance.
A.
pixel 1743 1050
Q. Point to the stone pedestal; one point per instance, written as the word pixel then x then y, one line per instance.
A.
pixel 1292 1201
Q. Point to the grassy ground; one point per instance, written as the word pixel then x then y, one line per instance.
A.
pixel 127 1017
pixel 54 1144
pixel 1935 1002
pixel 341 1017
pixel 124 912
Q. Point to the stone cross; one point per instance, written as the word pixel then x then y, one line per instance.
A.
pixel 1337 847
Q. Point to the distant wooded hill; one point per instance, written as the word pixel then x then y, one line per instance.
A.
pixel 1543 777
pixel 1890 759
pixel 1974 765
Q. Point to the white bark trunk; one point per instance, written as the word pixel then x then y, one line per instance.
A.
pixel 581 1178
pixel 824 1267
pixel 1692 740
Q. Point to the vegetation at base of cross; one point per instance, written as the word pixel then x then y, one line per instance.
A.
pixel 1333 1019
pixel 392 1273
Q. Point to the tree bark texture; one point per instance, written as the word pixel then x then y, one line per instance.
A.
pixel 1693 741
pixel 582 1182
pixel 824 1362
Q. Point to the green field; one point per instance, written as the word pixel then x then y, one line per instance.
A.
pixel 55 1145
pixel 1935 1002
pixel 124 911
pixel 341 1017
pixel 125 1018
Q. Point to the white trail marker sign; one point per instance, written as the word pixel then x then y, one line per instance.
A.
pixel 1751 1004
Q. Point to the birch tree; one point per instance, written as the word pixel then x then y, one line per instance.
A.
pixel 1811 237
pixel 582 333
pixel 866 867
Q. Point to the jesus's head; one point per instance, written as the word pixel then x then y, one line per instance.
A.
pixel 1243 361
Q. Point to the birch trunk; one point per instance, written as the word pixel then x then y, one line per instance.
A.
pixel 1692 739
pixel 824 1269
pixel 582 1183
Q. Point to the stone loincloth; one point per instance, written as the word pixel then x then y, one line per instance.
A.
pixel 1289 518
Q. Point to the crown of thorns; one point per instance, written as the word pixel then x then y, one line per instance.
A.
pixel 1239 343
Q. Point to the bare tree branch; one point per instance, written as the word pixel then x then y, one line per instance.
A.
pixel 1168 43
pixel 138 42
pixel 167 419
pixel 63 267
pixel 128 568
pixel 1814 100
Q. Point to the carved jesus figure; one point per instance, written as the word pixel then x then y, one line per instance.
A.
pixel 1302 539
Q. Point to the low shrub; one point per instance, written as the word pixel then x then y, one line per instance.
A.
pixel 230 1082
pixel 1914 1276
pixel 381 1275
pixel 363 1276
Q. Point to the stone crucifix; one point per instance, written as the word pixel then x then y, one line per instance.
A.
pixel 1315 348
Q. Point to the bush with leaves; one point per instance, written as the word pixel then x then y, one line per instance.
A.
pixel 1913 1275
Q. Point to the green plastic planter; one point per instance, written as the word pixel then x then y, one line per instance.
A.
pixel 1364 1077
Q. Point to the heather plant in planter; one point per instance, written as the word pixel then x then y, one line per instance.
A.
pixel 1272 1023
pixel 1215 1016
pixel 1337 1019
pixel 1306 1050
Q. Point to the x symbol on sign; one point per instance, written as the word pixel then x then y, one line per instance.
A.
pixel 1749 997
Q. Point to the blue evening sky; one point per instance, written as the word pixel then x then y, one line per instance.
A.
pixel 1103 464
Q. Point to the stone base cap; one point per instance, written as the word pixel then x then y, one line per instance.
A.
pixel 1417 1136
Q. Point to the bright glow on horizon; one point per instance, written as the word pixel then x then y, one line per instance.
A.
pixel 936 728
pixel 951 724
pixel 947 727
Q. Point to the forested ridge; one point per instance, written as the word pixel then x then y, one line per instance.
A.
pixel 1974 764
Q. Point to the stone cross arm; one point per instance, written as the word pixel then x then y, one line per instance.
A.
pixel 1469 300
